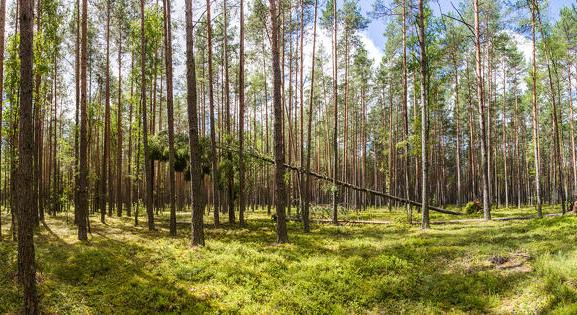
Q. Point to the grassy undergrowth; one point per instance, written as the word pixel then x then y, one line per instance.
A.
pixel 481 267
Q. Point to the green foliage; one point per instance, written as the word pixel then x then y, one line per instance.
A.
pixel 158 150
pixel 473 207
pixel 348 269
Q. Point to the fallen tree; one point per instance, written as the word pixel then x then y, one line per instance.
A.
pixel 341 183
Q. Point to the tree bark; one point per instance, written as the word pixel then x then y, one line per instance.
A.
pixel 481 109
pixel 170 114
pixel 280 190
pixel 241 175
pixel 83 147
pixel 213 153
pixel 424 117
pixel 27 208
pixel 197 225
pixel 148 171
pixel 335 118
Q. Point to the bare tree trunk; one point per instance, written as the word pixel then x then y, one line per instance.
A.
pixel 147 162
pixel 83 216
pixel 535 114
pixel 571 134
pixel 406 113
pixel 335 118
pixel 2 30
pixel 27 209
pixel 281 228
pixel 481 109
pixel 197 225
pixel 241 175
pixel 170 114
pixel 119 130
pixel 458 132
pixel 424 117
pixel 214 165
pixel 104 198
pixel 306 189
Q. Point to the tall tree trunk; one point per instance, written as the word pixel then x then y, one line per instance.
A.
pixel 571 134
pixel 37 128
pixel 306 190
pixel 335 118
pixel 213 154
pixel 230 170
pixel 535 113
pixel 506 147
pixel 170 114
pixel 241 175
pixel 406 114
pixel 77 80
pixel 27 209
pixel 148 171
pixel 280 190
pixel 83 216
pixel 424 116
pixel 197 225
pixel 119 130
pixel 481 109
pixel 104 198
pixel 2 30
pixel 458 132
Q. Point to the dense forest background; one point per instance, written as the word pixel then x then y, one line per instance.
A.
pixel 140 108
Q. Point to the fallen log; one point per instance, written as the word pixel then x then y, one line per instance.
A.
pixel 341 183
pixel 328 221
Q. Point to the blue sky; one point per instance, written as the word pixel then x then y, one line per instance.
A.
pixel 375 29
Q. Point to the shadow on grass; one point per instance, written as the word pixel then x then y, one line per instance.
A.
pixel 127 269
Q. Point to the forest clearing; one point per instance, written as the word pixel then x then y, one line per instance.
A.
pixel 518 267
pixel 288 156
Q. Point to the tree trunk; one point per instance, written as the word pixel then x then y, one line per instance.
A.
pixel 170 114
pixel 197 225
pixel 119 130
pixel 241 175
pixel 281 228
pixel 306 190
pixel 535 113
pixel 481 109
pixel 106 158
pixel 83 149
pixel 213 154
pixel 335 118
pixel 148 171
pixel 26 206
pixel 424 117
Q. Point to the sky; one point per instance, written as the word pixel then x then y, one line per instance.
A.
pixel 374 39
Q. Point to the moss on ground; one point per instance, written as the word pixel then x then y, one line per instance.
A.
pixel 474 267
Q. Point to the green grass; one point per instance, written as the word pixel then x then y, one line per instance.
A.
pixel 479 267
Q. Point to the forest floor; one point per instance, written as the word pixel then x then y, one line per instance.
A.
pixel 525 266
